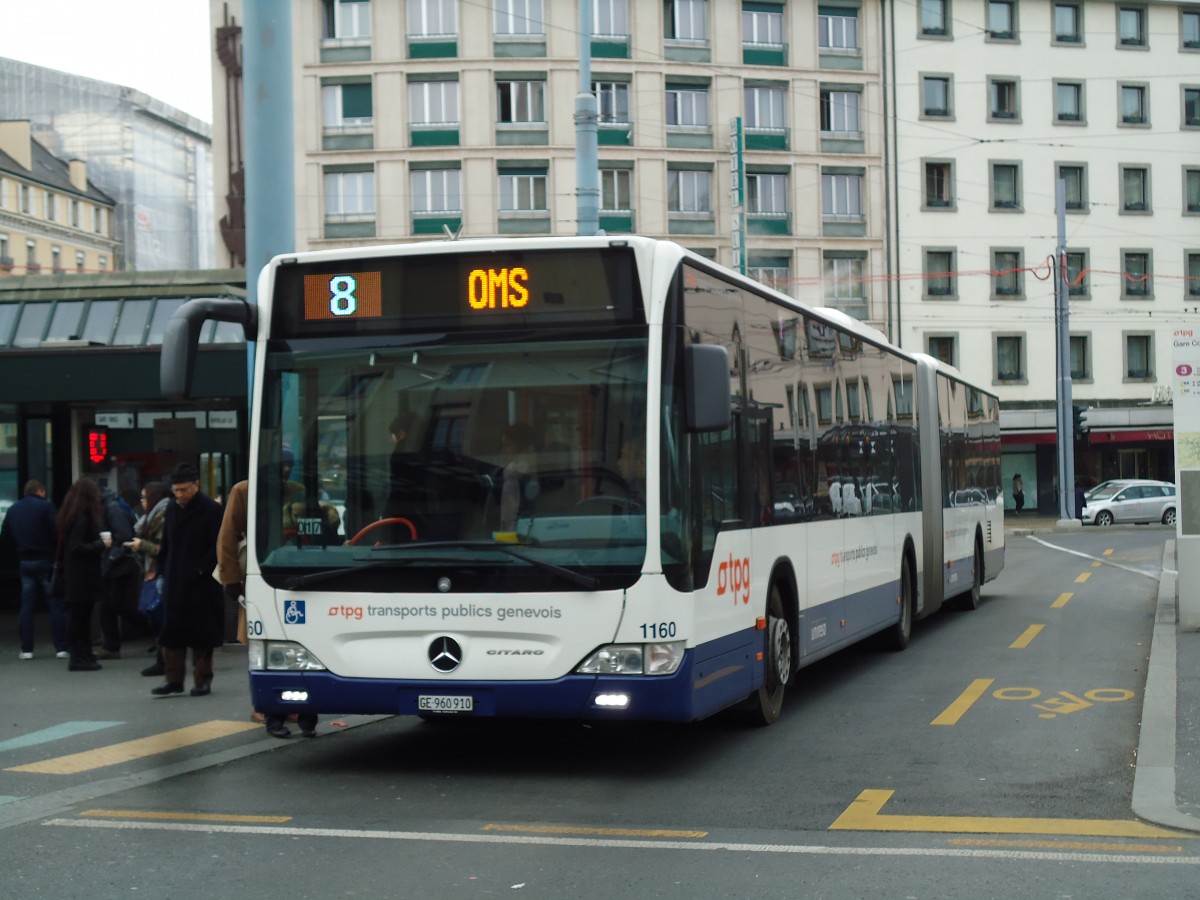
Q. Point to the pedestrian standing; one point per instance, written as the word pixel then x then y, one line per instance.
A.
pixel 82 543
pixel 1018 492
pixel 192 600
pixel 120 572
pixel 30 531
pixel 147 536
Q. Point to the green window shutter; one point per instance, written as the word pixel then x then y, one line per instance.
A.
pixel 356 101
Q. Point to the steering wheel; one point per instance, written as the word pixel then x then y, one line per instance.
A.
pixel 392 520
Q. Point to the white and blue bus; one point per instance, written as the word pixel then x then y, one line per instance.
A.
pixel 587 478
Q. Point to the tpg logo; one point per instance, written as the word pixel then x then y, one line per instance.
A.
pixel 733 576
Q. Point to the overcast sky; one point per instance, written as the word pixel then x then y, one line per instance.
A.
pixel 157 46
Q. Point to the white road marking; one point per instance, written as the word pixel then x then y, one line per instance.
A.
pixel 1098 559
pixel 617 844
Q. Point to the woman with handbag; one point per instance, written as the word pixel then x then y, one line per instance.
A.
pixel 79 521
pixel 147 533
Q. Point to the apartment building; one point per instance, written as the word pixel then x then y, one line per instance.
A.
pixel 995 101
pixel 52 218
pixel 414 118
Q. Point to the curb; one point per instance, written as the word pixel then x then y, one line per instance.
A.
pixel 1154 776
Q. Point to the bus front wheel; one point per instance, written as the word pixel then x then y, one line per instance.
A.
pixel 767 703
pixel 899 634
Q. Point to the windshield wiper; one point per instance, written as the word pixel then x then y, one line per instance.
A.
pixel 584 581
pixel 299 581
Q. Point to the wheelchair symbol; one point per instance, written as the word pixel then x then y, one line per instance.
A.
pixel 293 612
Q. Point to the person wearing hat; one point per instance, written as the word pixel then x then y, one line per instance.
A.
pixel 193 603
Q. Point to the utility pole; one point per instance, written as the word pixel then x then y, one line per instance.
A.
pixel 1062 325
pixel 587 150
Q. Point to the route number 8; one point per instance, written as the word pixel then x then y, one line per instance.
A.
pixel 342 301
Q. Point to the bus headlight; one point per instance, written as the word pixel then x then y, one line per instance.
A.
pixel 633 659
pixel 282 656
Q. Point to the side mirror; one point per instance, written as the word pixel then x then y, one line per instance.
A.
pixel 182 333
pixel 706 368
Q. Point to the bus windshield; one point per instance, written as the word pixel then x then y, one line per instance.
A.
pixel 513 465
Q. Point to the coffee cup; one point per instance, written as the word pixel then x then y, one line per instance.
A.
pixel 106 536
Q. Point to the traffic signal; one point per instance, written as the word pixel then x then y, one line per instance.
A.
pixel 1080 414
pixel 95 446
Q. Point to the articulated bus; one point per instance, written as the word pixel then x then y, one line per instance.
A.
pixel 587 478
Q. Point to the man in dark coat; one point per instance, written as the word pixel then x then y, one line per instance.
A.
pixel 30 532
pixel 192 600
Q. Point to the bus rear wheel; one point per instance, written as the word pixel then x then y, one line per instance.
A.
pixel 767 703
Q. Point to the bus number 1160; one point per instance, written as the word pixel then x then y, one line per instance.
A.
pixel 659 631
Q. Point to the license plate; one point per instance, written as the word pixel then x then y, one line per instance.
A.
pixel 438 703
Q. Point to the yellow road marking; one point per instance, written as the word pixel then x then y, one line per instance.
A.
pixel 160 815
pixel 1026 637
pixel 864 814
pixel 1083 577
pixel 1108 552
pixel 1067 845
pixel 137 749
pixel 956 710
pixel 1097 564
pixel 1063 600
pixel 608 832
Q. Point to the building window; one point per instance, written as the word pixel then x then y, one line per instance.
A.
pixel 1002 20
pixel 56 258
pixel 1006 186
pixel 102 263
pixel 1077 274
pixel 31 263
pixel 935 18
pixel 3 193
pixel 1193 274
pixel 1008 276
pixel 76 218
pixel 1189 29
pixel 762 25
pixel 1131 26
pixel 842 197
pixel 1010 357
pixel 433 102
pixel 1068 101
pixel 1081 357
pixel 939 274
pixel 97 219
pixel 432 18
pixel 1075 177
pixel 26 199
pixel 1191 107
pixel 349 196
pixel 616 190
pixel 610 18
pixel 346 106
pixel 521 102
pixel 523 192
pixel 1191 190
pixel 79 261
pixel 937 101
pixel 347 20
pixel 837 29
pixel 939 184
pixel 1068 23
pixel 1003 99
pixel 840 112
pixel 6 261
pixel 518 18
pixel 436 190
pixel 687 105
pixel 1136 275
pixel 689 191
pixel 845 286
pixel 612 97
pixel 686 20
pixel 1133 105
pixel 51 206
pixel 1139 357
pixel 766 194
pixel 1135 189
pixel 775 275
pixel 764 108
pixel 943 347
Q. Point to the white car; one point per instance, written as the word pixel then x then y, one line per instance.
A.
pixel 1132 501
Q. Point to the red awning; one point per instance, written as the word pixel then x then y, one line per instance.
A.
pixel 1108 436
